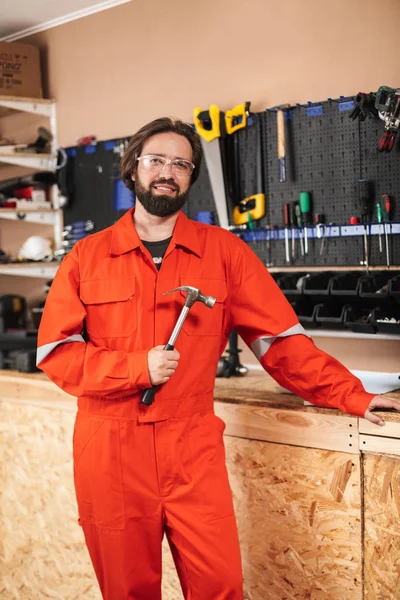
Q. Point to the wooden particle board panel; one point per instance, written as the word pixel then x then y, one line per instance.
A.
pixel 299 518
pixel 295 427
pixel 42 549
pixel 381 475
pixel 43 554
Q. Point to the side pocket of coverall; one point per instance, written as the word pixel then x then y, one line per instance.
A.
pixel 98 472
pixel 209 467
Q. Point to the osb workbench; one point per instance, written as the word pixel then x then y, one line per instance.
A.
pixel 317 496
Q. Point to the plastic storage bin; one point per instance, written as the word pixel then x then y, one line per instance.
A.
pixel 346 285
pixel 331 315
pixel 359 319
pixel 306 312
pixel 291 284
pixel 387 321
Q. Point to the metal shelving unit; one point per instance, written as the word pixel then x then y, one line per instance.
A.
pixel 43 270
pixel 36 162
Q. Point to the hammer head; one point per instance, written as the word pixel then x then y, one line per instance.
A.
pixel 194 295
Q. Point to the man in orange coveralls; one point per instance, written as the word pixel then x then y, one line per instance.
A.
pixel 145 471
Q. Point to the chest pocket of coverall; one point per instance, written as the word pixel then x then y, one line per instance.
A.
pixel 111 307
pixel 202 320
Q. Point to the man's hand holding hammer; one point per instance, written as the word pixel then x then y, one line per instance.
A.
pixel 163 360
pixel 162 364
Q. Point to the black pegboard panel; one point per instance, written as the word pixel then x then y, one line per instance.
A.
pixel 94 170
pixel 326 155
pixel 323 159
pixel 383 171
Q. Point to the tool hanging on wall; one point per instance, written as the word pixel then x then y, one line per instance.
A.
pixel 280 126
pixel 292 224
pixel 236 119
pixel 386 210
pixel 286 223
pixel 366 212
pixel 298 222
pixel 305 209
pixel 364 106
pixel 319 219
pixel 387 104
pixel 210 125
pixel 253 206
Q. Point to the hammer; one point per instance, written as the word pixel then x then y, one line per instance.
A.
pixel 193 295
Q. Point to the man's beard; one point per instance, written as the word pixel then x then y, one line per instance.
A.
pixel 160 205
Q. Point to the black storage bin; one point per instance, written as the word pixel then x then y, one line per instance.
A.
pixel 359 319
pixel 331 315
pixel 394 288
pixel 12 312
pixel 291 284
pixel 305 312
pixel 391 325
pixel 346 284
pixel 318 285
pixel 37 313
pixel 375 286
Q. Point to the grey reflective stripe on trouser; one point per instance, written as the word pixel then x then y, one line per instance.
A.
pixel 45 350
pixel 262 344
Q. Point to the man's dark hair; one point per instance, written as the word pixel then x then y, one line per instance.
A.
pixel 162 125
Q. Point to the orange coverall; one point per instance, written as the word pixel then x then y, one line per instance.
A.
pixel 144 471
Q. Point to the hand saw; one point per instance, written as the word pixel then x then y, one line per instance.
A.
pixel 210 125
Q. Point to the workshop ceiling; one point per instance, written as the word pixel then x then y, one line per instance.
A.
pixel 19 18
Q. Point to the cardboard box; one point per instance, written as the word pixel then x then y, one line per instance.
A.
pixel 20 70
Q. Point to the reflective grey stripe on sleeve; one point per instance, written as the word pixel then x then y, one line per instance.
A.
pixel 262 344
pixel 45 350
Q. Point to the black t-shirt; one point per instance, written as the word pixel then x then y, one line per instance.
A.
pixel 157 250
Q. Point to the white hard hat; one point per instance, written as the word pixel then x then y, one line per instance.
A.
pixel 36 247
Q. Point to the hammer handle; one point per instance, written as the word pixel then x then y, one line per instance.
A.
pixel 148 395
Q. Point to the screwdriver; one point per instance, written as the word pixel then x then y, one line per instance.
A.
pixel 297 213
pixel 305 213
pixel 379 219
pixel 386 211
pixel 321 231
pixel 365 201
pixel 292 223
pixel 286 224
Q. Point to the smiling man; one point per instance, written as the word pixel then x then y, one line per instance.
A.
pixel 142 472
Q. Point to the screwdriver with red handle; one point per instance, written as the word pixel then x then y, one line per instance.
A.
pixel 292 221
pixel 386 214
pixel 287 224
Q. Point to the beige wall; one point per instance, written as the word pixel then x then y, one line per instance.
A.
pixel 113 71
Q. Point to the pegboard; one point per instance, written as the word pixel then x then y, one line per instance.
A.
pixel 326 155
pixel 93 171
